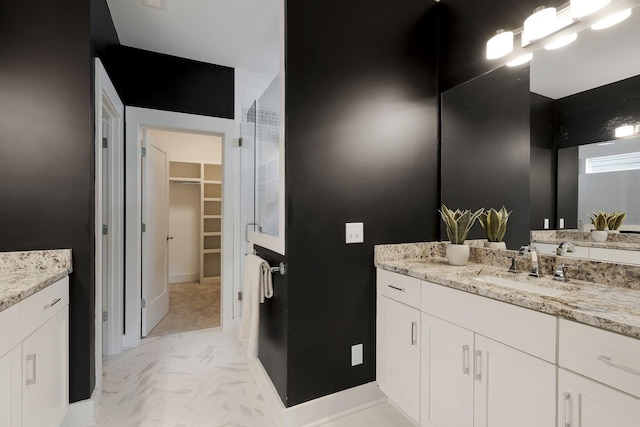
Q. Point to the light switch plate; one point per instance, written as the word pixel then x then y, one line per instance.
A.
pixel 354 232
pixel 356 354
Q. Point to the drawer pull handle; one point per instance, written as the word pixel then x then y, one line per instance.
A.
pixel 397 288
pixel 607 361
pixel 414 338
pixel 477 365
pixel 465 359
pixel 567 409
pixel 31 358
pixel 54 302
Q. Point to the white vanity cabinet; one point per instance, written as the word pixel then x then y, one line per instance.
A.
pixel 469 379
pixel 34 373
pixel 398 347
pixel 599 377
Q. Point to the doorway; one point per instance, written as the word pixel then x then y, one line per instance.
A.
pixel 139 120
pixel 184 188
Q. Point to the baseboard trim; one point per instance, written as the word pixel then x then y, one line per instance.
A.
pixel 318 411
pixel 83 413
pixel 182 278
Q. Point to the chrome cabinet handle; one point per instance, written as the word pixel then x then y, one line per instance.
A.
pixel 31 358
pixel 477 366
pixel 397 288
pixel 54 302
pixel 414 338
pixel 567 409
pixel 465 359
pixel 607 361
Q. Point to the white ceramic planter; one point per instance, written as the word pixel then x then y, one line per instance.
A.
pixel 599 235
pixel 457 254
pixel 495 245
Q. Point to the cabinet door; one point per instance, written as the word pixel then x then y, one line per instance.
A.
pixel 11 389
pixel 447 374
pixel 44 367
pixel 398 355
pixel 512 388
pixel 586 403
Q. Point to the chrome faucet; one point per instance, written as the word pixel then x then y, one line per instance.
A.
pixel 535 268
pixel 565 247
pixel 560 273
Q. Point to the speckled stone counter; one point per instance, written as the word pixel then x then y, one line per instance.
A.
pixel 603 305
pixel 22 274
pixel 624 241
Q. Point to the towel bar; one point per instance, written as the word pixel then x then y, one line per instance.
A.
pixel 282 269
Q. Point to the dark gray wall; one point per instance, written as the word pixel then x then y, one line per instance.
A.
pixel 46 153
pixel 542 172
pixel 361 146
pixel 486 148
pixel 164 82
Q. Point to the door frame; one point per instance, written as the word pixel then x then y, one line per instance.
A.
pixel 138 119
pixel 108 102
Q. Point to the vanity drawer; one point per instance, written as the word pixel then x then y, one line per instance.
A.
pixel 10 327
pixel 602 355
pixel 42 306
pixel 526 330
pixel 404 289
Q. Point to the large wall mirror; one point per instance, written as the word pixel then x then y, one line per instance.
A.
pixel 594 85
pixel 577 96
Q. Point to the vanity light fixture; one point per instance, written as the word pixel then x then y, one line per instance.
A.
pixel 520 60
pixel 540 24
pixel 612 20
pixel 500 45
pixel 626 130
pixel 581 8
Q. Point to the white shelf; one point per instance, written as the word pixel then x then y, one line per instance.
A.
pixel 212 233
pixel 212 251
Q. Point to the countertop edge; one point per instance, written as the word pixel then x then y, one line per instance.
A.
pixel 548 305
pixel 50 279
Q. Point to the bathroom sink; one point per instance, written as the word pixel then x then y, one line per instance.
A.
pixel 521 286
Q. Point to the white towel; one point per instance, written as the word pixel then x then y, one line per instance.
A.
pixel 257 287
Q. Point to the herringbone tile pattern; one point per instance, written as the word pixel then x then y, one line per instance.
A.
pixel 198 378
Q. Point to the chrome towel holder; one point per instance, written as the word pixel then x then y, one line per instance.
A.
pixel 282 268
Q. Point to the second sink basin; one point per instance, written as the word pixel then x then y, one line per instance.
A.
pixel 521 286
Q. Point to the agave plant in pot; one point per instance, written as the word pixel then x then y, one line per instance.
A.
pixel 600 221
pixel 615 221
pixel 458 225
pixel 494 224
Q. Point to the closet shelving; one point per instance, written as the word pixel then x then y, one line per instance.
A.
pixel 209 177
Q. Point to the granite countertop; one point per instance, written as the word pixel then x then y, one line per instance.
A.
pixel 616 309
pixel 624 241
pixel 22 274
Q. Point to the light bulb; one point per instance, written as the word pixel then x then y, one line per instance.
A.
pixel 520 60
pixel 540 24
pixel 612 20
pixel 500 45
pixel 562 41
pixel 580 8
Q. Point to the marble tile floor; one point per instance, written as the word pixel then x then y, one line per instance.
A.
pixel 198 378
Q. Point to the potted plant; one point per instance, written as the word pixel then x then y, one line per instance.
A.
pixel 458 225
pixel 494 224
pixel 600 221
pixel 615 221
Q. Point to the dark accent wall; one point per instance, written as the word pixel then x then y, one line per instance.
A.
pixel 46 153
pixel 593 115
pixel 568 171
pixel 486 148
pixel 542 173
pixel 361 146
pixel 273 326
pixel 163 82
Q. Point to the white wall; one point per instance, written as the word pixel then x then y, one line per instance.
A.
pixel 184 227
pixel 184 200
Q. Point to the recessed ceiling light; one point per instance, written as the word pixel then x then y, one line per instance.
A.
pixel 156 4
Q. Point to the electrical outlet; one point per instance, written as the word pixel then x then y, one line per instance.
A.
pixel 354 232
pixel 356 354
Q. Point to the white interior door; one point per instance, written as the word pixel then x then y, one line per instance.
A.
pixel 106 208
pixel 155 213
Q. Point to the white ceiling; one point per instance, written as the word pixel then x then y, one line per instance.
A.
pixel 235 33
pixel 595 59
